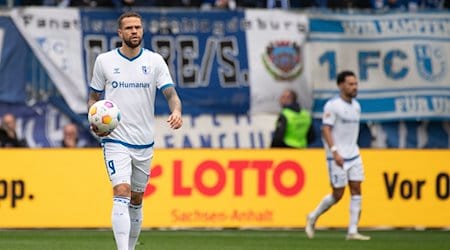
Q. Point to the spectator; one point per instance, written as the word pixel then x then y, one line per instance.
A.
pixel 70 136
pixel 90 3
pixel 219 4
pixel 432 4
pixel 394 4
pixel 8 135
pixel 284 4
pixel 137 3
pixel 344 4
pixel 177 3
pixel 294 124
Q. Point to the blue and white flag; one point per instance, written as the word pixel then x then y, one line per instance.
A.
pixel 54 35
pixel 401 60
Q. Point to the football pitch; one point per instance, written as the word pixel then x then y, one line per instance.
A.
pixel 225 240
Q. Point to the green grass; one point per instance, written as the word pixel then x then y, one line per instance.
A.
pixel 225 240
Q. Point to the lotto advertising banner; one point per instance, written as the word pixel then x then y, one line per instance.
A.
pixel 401 60
pixel 223 188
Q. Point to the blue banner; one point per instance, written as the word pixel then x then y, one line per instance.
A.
pixel 205 51
pixel 13 67
pixel 402 62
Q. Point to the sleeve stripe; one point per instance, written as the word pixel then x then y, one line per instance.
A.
pixel 96 90
pixel 166 86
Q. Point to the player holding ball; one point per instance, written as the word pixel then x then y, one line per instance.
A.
pixel 129 76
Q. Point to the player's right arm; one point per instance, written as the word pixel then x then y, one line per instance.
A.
pixel 328 120
pixel 93 98
pixel 326 133
pixel 97 83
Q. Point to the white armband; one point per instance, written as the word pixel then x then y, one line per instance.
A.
pixel 333 149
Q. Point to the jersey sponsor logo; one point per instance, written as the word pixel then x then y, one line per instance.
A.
pixel 130 85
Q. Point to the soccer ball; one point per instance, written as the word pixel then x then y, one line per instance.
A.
pixel 105 115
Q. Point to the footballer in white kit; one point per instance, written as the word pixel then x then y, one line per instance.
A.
pixel 132 84
pixel 130 76
pixel 340 130
pixel 343 117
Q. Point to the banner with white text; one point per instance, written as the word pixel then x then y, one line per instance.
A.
pixel 401 60
pixel 205 51
pixel 217 131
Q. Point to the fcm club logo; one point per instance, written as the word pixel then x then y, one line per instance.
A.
pixel 267 174
pixel 430 61
pixel 283 59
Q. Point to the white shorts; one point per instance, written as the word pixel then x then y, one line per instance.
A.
pixel 128 165
pixel 354 171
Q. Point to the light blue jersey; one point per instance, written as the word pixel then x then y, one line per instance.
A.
pixel 132 84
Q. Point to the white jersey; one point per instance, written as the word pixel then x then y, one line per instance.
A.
pixel 131 84
pixel 343 117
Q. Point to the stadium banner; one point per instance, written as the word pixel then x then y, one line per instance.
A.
pixel 277 61
pixel 13 50
pixel 64 188
pixel 54 35
pixel 401 60
pixel 217 131
pixel 205 50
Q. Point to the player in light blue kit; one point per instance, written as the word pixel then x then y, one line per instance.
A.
pixel 340 132
pixel 130 76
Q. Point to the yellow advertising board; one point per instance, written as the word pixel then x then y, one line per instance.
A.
pixel 61 188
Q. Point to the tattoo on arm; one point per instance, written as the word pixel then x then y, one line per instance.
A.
pixel 172 99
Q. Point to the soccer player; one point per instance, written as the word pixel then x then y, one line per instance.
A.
pixel 340 131
pixel 130 76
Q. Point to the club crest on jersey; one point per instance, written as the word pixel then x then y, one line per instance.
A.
pixel 283 59
pixel 145 69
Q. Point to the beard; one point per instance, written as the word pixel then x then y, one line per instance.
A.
pixel 132 44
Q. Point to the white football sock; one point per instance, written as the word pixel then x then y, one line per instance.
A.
pixel 136 222
pixel 355 211
pixel 323 206
pixel 121 221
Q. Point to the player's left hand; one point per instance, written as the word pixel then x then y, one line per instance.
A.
pixel 175 121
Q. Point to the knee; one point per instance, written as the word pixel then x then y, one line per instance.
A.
pixel 123 190
pixel 337 195
pixel 355 188
pixel 136 198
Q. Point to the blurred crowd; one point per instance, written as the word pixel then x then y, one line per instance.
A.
pixel 378 5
